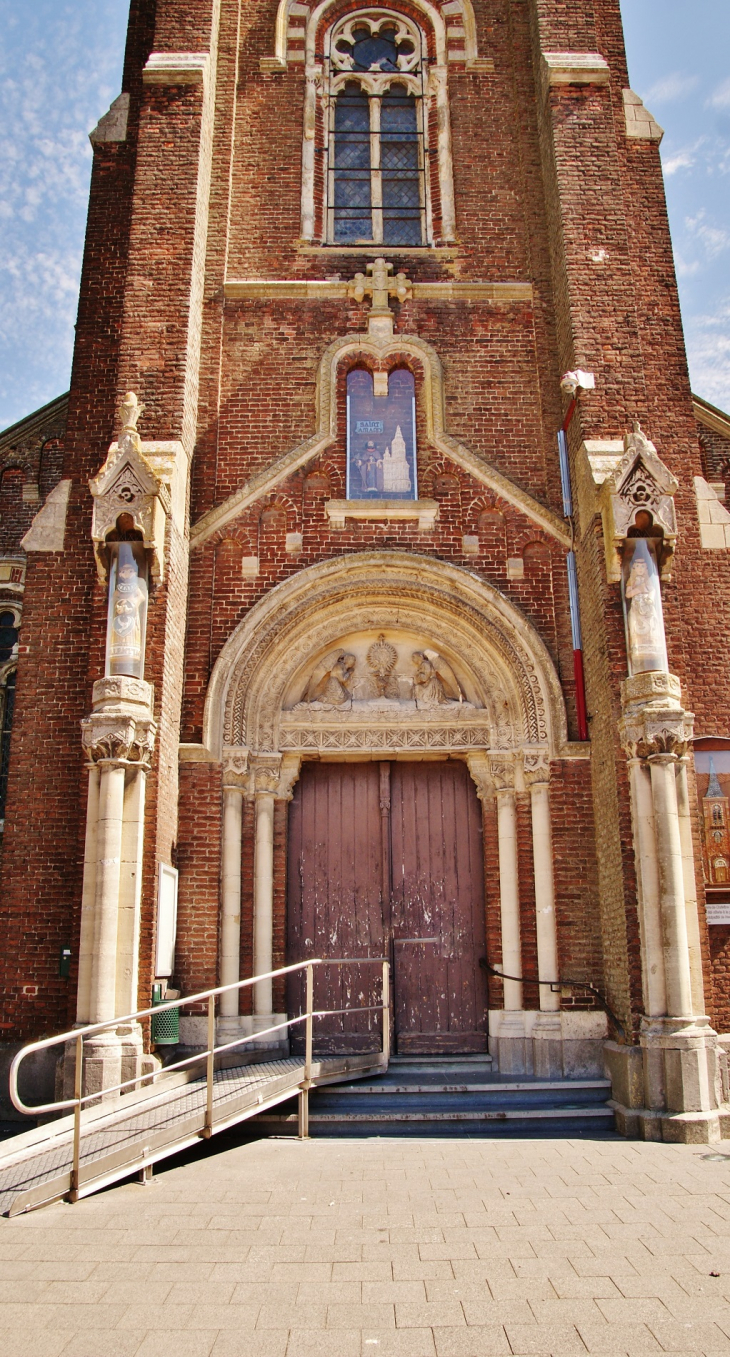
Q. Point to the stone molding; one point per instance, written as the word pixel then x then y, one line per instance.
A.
pixel 176 68
pixel 376 350
pixel 517 692
pixel 640 125
pixel 714 519
pixel 574 68
pixel 113 126
pixel 48 529
pixel 325 289
pixel 426 511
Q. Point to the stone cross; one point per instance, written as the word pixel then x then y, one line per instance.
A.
pixel 380 286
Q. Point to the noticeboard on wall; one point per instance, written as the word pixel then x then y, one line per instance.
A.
pixel 166 922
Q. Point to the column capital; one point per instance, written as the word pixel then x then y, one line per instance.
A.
pixel 656 733
pixel 235 769
pixel 502 770
pixel 266 771
pixel 121 728
pixel 536 768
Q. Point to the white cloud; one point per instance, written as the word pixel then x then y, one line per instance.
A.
pixel 670 88
pixel 684 159
pixel 712 239
pixel 708 349
pixel 720 98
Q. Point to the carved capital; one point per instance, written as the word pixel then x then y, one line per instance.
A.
pixel 536 767
pixel 502 770
pixel 235 768
pixel 266 773
pixel 290 769
pixel 478 765
pixel 653 688
pixel 656 733
pixel 118 738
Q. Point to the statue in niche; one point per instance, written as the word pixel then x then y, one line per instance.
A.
pixel 333 688
pixel 429 687
pixel 644 621
pixel 127 610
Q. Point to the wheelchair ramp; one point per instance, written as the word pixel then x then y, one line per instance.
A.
pixel 146 1126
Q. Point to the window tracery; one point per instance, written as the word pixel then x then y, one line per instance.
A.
pixel 377 148
pixel 9 625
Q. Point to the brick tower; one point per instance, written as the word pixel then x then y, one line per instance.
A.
pixel 367 606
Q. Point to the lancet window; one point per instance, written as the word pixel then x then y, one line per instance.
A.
pixel 377 159
pixel 376 145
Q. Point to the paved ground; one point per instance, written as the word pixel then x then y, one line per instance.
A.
pixel 389 1248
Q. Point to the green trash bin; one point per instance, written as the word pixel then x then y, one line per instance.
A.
pixel 165 1026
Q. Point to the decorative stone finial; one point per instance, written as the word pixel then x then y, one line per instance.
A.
pixel 129 412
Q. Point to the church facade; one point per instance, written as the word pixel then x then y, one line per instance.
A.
pixel 364 597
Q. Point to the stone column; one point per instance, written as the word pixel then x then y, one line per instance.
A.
pixel 674 1095
pixel 86 938
pixel 547 1043
pixel 511 1040
pixel 690 887
pixel 235 778
pixel 266 782
pixel 671 884
pixel 118 739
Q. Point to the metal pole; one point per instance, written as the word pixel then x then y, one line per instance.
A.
pixel 208 1129
pixel 78 1089
pixel 306 1083
pixel 386 1012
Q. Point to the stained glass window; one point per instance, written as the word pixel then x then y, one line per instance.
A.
pixel 376 181
pixel 381 437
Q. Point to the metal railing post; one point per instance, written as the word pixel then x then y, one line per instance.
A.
pixel 386 1011
pixel 78 1090
pixel 210 1066
pixel 304 1090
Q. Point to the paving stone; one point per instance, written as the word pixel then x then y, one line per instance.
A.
pixel 490 1341
pixel 30 1342
pixel 176 1343
pixel 101 1343
pixel 397 1343
pixel 306 1343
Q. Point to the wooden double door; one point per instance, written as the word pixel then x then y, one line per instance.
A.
pixel 386 860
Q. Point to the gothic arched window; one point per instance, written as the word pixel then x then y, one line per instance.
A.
pixel 9 622
pixel 375 105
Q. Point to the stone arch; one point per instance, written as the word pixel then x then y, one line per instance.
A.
pixel 454 30
pixel 478 631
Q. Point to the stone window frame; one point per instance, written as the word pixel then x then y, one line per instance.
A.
pixel 439 224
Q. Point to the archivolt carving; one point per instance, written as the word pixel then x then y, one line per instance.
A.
pixel 513 696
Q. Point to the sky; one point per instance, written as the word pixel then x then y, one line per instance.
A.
pixel 60 68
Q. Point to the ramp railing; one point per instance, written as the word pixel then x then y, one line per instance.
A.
pixel 78 1035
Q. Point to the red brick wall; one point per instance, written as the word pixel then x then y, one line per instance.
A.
pixel 540 186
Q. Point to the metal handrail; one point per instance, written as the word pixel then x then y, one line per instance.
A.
pixel 78 1034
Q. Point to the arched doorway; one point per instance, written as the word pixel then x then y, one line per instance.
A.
pixel 386 859
pixel 395 666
